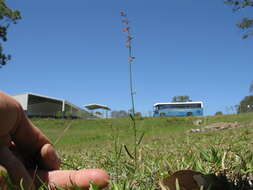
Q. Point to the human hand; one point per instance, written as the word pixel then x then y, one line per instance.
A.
pixel 25 153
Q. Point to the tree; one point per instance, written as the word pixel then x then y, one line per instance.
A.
pixel 181 99
pixel 246 105
pixel 251 87
pixel 138 114
pixel 219 113
pixel 245 23
pixel 7 16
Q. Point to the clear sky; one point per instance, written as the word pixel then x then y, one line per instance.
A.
pixel 76 50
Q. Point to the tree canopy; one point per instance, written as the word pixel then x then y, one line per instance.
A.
pixel 218 113
pixel 181 99
pixel 7 17
pixel 251 87
pixel 246 105
pixel 246 23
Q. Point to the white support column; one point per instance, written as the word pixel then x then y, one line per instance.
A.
pixel 63 105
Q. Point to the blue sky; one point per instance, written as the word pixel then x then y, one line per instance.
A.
pixel 76 50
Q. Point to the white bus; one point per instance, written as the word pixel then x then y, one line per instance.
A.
pixel 178 109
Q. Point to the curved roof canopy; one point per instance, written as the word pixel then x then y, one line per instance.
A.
pixel 96 106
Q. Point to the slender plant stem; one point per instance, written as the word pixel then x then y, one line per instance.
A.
pixel 131 79
pixel 130 60
pixel 132 99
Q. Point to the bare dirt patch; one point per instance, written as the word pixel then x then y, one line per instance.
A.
pixel 217 127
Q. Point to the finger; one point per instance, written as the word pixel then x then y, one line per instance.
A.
pixel 15 123
pixel 15 169
pixel 3 178
pixel 27 135
pixel 68 179
pixel 49 158
pixel 39 145
pixel 5 140
pixel 8 112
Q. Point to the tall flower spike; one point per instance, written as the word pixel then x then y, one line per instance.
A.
pixel 125 29
pixel 123 14
pixel 131 59
pixel 132 92
pixel 125 21
pixel 129 38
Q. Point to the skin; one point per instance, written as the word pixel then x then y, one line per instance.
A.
pixel 25 152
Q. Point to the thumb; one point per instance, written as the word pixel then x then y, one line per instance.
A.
pixel 49 159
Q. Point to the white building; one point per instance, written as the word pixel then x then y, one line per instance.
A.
pixel 36 105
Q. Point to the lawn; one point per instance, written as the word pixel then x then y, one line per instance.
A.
pixel 166 147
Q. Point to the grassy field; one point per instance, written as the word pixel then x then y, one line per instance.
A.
pixel 166 147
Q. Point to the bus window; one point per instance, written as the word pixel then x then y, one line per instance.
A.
pixel 162 114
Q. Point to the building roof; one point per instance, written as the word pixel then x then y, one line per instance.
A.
pixel 96 106
pixel 74 106
pixel 51 98
pixel 39 95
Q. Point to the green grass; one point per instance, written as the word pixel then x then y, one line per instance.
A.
pixel 165 148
